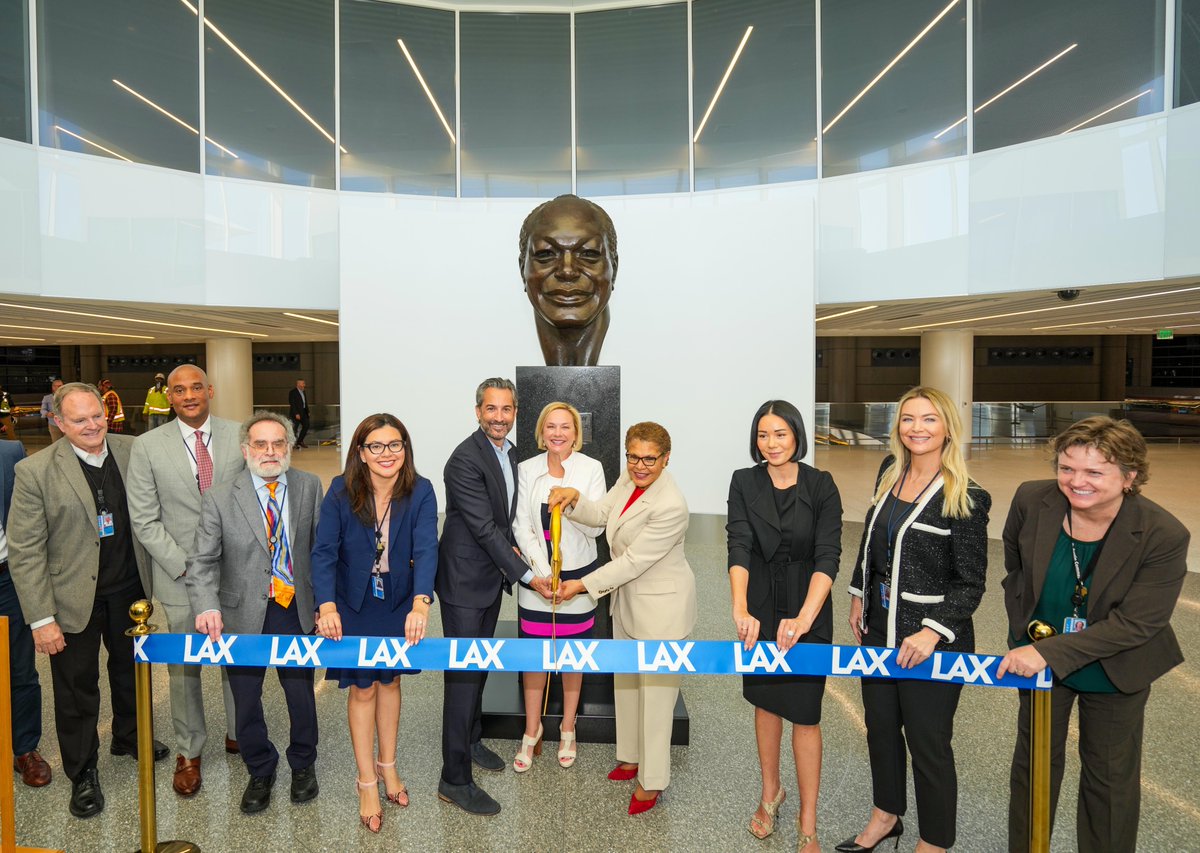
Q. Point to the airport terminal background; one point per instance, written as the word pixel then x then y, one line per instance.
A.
pixel 997 196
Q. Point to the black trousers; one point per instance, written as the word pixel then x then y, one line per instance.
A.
pixel 26 690
pixel 75 673
pixel 921 715
pixel 302 424
pixel 1110 771
pixel 246 683
pixel 462 694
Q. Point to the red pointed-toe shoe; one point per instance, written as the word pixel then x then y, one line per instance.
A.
pixel 637 806
pixel 623 774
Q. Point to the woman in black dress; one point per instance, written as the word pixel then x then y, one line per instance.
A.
pixel 785 540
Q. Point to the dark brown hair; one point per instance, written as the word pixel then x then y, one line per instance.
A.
pixel 358 476
pixel 1117 441
pixel 651 432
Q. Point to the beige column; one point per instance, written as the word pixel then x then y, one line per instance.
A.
pixel 948 364
pixel 231 372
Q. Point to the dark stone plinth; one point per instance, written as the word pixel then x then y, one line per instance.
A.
pixel 594 391
pixel 504 706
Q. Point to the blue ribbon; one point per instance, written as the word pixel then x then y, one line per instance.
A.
pixel 684 657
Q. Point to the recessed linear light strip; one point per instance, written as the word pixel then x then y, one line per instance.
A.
pixel 1074 305
pixel 15 338
pixel 846 313
pixel 93 144
pixel 721 86
pixel 1001 94
pixel 313 319
pixel 83 332
pixel 246 59
pixel 428 93
pixel 891 64
pixel 1107 111
pixel 171 116
pixel 1116 320
pixel 131 320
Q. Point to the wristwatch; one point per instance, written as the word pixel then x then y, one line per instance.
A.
pixel 424 598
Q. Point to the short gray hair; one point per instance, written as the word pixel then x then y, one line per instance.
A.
pixel 263 415
pixel 497 383
pixel 70 388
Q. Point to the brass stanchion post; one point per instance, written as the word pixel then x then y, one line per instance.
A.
pixel 1039 755
pixel 140 612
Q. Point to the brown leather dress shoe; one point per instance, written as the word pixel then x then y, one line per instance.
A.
pixel 35 772
pixel 231 746
pixel 187 775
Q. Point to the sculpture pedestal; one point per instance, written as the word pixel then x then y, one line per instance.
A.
pixel 596 393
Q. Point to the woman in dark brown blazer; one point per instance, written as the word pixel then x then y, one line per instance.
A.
pixel 1103 566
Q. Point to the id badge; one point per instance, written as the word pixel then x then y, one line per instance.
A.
pixel 1073 624
pixel 377 586
pixel 104 524
pixel 885 595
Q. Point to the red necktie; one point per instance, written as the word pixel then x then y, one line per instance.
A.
pixel 204 464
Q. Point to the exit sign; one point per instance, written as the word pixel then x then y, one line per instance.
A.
pixel 1166 334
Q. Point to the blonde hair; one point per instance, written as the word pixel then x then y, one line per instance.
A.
pixel 956 500
pixel 575 419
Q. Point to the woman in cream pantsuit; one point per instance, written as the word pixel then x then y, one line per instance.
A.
pixel 653 598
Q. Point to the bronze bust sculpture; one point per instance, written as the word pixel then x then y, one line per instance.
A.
pixel 568 260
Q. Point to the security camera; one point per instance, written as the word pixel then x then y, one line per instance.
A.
pixel 1067 295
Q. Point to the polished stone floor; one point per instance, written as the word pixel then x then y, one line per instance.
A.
pixel 715 781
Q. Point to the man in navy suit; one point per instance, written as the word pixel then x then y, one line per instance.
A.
pixel 25 689
pixel 477 561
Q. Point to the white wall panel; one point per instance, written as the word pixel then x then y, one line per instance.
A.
pixel 20 246
pixel 712 313
pixel 1182 243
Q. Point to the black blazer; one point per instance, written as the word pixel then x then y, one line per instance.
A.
pixel 298 403
pixel 1133 590
pixel 938 572
pixel 754 532
pixel 475 556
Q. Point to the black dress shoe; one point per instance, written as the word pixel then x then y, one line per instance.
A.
pixel 852 846
pixel 469 797
pixel 87 800
pixel 485 758
pixel 160 750
pixel 257 795
pixel 304 784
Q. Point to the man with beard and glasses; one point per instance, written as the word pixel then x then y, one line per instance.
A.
pixel 477 561
pixel 249 573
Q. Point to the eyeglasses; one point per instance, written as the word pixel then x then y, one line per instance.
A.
pixel 277 446
pixel 645 461
pixel 377 447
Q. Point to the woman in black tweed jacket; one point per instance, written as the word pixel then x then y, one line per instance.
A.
pixel 919 576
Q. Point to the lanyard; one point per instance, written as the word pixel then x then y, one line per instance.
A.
pixel 1079 594
pixel 207 439
pixel 379 527
pixel 101 505
pixel 892 528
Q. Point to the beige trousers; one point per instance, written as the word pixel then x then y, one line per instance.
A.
pixel 645 709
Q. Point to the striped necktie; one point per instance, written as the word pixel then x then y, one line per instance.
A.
pixel 282 584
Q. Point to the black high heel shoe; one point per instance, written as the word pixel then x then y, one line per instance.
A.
pixel 852 846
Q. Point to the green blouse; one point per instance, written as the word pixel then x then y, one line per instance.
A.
pixel 1054 605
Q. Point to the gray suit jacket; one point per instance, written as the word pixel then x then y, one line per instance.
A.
pixel 229 567
pixel 164 499
pixel 53 545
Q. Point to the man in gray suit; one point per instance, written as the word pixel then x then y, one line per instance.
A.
pixel 77 569
pixel 170 468
pixel 249 572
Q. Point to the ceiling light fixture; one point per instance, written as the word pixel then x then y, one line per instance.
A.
pixel 890 65
pixel 171 116
pixel 130 320
pixel 313 319
pixel 846 313
pixel 721 86
pixel 428 93
pixel 1073 305
pixel 279 89
pixel 1012 86
pixel 93 144
pixel 1116 320
pixel 16 338
pixel 1107 111
pixel 83 332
